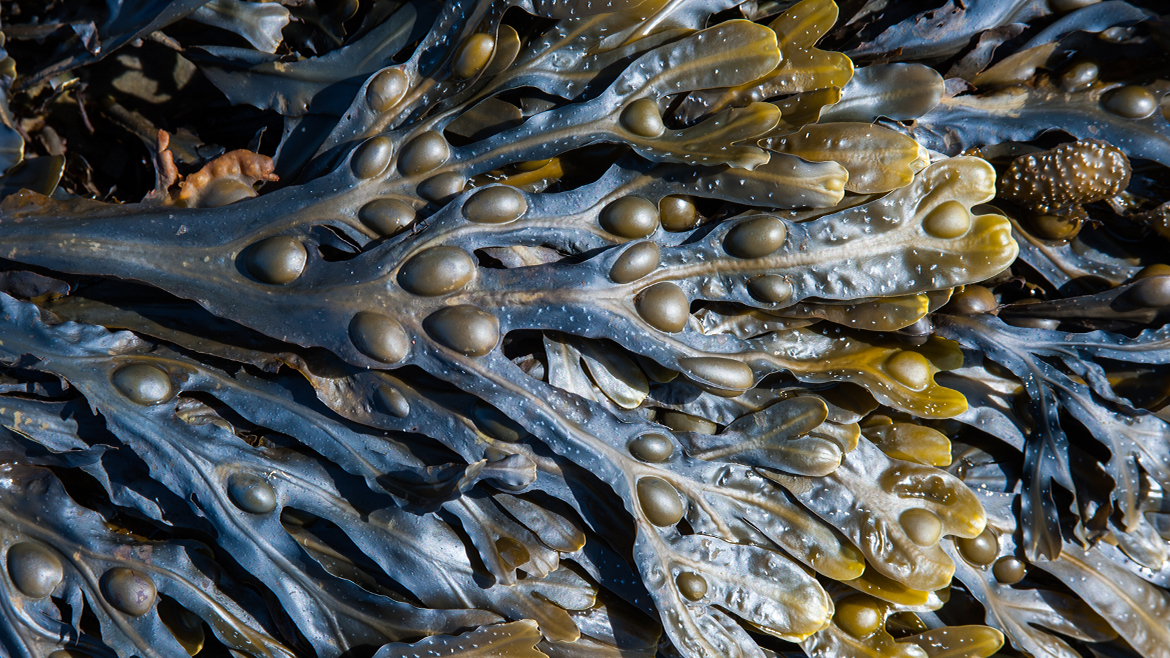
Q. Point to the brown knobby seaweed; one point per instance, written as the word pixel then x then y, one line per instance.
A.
pixel 550 328
pixel 1061 180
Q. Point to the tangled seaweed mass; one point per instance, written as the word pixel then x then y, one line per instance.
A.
pixel 573 329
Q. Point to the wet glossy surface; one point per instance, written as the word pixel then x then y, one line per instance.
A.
pixel 1009 570
pixel 770 288
pixel 437 271
pixel 643 118
pixel 34 569
pixel 387 217
pixel 251 494
pixel 423 153
pixel 372 157
pixel 660 502
pixel 128 590
pixel 948 220
pixel 909 368
pixel 356 333
pixel 980 550
pixel 386 89
pixel 473 55
pixel 719 372
pixel 277 260
pixel 691 585
pixel 630 217
pixel 465 329
pixel 635 262
pixel 143 383
pixel 922 526
pixel 442 188
pixel 858 616
pixel 678 213
pixel 495 205
pixel 1152 292
pixel 226 192
pixel 756 238
pixel 652 448
pixel 393 401
pixel 664 306
pixel 973 300
pixel 496 425
pixel 379 337
pixel 1131 102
